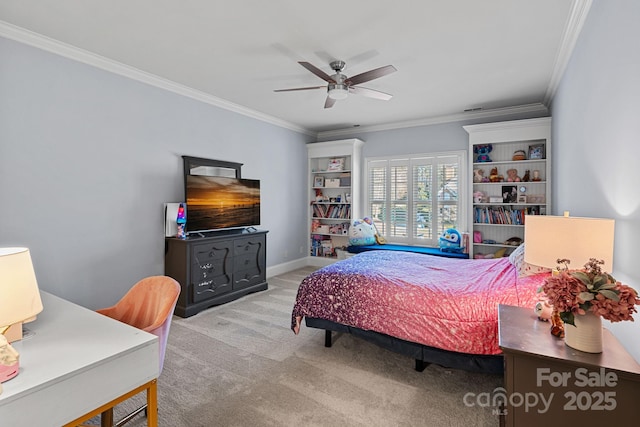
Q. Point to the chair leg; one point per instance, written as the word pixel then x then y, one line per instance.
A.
pixel 106 418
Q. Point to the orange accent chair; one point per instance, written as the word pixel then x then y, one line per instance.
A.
pixel 149 306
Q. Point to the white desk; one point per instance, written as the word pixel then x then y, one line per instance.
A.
pixel 76 362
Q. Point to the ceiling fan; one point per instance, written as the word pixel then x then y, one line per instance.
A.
pixel 339 85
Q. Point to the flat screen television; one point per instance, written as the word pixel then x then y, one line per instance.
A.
pixel 215 203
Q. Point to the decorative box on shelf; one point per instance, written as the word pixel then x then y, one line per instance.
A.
pixel 332 182
pixel 322 229
pixel 536 198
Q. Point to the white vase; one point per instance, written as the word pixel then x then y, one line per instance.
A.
pixel 586 335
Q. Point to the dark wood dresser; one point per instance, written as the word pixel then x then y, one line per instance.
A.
pixel 217 268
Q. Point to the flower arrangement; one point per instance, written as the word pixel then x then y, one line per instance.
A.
pixel 576 292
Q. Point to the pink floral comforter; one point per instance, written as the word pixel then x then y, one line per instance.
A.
pixel 447 303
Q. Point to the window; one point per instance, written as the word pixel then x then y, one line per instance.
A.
pixel 413 199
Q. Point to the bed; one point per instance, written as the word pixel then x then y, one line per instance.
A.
pixel 434 309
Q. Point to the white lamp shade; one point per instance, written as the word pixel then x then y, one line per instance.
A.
pixel 19 294
pixel 338 92
pixel 549 238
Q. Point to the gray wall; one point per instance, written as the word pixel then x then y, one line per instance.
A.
pixel 87 159
pixel 595 134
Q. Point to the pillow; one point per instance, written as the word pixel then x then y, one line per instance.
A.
pixel 524 268
pixel 362 233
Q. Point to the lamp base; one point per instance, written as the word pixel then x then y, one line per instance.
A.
pixel 9 371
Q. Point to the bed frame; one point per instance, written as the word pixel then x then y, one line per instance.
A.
pixel 422 354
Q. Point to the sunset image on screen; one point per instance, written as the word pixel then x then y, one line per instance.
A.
pixel 217 202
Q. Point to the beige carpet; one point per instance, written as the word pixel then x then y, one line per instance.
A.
pixel 239 364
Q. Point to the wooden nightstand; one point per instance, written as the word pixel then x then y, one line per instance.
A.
pixel 550 384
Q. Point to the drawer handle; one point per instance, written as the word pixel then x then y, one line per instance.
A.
pixel 246 261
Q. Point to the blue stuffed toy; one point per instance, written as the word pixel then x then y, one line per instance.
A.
pixel 451 241
pixel 362 232
pixel 483 151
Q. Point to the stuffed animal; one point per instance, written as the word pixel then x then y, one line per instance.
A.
pixel 483 151
pixel 519 155
pixel 478 196
pixel 526 176
pixel 335 229
pixel 494 176
pixel 512 175
pixel 543 310
pixel 451 241
pixel 362 232
pixel 478 175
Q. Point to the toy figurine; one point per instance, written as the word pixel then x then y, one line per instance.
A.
pixel 557 327
pixel 543 310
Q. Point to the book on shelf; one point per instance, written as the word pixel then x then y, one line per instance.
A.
pixel 503 216
pixel 337 211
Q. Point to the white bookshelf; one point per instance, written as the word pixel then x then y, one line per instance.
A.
pixel 335 170
pixel 501 214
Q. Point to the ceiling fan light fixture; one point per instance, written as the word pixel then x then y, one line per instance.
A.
pixel 338 91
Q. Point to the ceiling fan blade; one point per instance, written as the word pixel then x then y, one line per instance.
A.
pixel 370 75
pixel 371 93
pixel 329 102
pixel 317 71
pixel 300 88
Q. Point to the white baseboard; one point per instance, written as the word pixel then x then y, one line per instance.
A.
pixel 299 263
pixel 286 267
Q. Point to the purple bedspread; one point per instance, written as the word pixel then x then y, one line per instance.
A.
pixel 447 303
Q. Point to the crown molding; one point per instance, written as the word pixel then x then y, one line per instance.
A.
pixel 575 22
pixel 535 108
pixel 48 44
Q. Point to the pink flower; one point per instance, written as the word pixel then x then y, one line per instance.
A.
pixel 574 292
pixel 616 311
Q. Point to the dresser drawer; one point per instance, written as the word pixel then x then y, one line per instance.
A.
pixel 248 245
pixel 210 287
pixel 211 270
pixel 207 252
pixel 248 277
pixel 245 261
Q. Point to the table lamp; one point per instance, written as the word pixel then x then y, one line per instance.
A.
pixel 549 238
pixel 19 301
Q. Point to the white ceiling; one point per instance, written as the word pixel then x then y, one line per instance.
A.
pixel 450 55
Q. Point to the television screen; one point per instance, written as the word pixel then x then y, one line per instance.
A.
pixel 215 202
